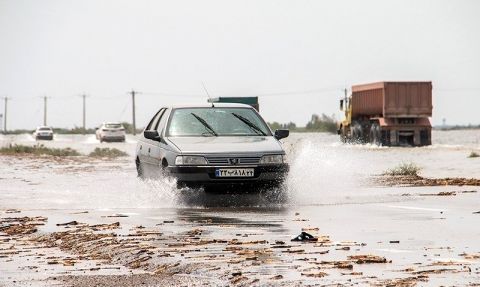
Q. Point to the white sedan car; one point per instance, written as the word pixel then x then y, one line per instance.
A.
pixel 109 132
pixel 225 145
pixel 43 133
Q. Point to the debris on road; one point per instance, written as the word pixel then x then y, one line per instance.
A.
pixel 12 211
pixel 115 215
pixel 416 180
pixel 315 274
pixel 74 222
pixel 21 225
pixel 305 237
pixel 470 256
pixel 361 259
pixel 442 193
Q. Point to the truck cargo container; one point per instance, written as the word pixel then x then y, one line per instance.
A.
pixel 388 113
pixel 252 101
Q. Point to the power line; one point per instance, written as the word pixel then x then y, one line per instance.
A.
pixel 266 94
pixel 304 92
pixel 122 113
pixel 167 94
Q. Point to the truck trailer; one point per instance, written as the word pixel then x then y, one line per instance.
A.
pixel 388 113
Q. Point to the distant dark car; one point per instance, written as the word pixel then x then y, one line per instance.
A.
pixel 225 144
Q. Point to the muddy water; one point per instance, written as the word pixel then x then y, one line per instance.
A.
pixel 328 188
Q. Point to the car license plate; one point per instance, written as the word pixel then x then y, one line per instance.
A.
pixel 234 172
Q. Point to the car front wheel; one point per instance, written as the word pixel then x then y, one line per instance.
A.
pixel 140 172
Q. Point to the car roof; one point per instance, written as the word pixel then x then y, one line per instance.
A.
pixel 112 123
pixel 215 105
pixel 44 127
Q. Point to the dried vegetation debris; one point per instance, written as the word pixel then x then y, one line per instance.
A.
pixel 362 259
pixel 158 251
pixel 403 169
pixel 107 152
pixel 471 256
pixel 410 281
pixel 417 180
pixel 150 250
pixel 38 149
pixel 21 225
pixel 42 150
pixel 318 274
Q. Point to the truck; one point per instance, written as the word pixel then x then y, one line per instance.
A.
pixel 388 114
pixel 252 101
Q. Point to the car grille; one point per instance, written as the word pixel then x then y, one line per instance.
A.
pixel 226 160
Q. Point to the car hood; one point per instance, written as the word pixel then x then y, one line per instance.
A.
pixel 251 144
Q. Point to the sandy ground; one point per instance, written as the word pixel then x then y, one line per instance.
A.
pixel 85 222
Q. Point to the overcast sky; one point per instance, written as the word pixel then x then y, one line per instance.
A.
pixel 296 55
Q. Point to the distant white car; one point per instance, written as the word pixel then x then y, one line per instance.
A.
pixel 109 132
pixel 43 133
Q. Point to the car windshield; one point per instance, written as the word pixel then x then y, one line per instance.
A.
pixel 216 122
pixel 113 126
pixel 45 129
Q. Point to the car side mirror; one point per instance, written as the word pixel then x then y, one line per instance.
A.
pixel 152 135
pixel 281 134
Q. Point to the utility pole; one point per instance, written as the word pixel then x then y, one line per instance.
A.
pixel 44 110
pixel 84 113
pixel 5 116
pixel 133 111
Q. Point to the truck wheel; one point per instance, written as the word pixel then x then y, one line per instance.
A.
pixel 375 135
pixel 342 133
pixel 357 133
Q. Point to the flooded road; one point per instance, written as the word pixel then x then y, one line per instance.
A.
pixel 100 225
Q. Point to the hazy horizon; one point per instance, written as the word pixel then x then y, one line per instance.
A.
pixel 297 56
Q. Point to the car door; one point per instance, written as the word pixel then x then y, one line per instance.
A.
pixel 143 143
pixel 151 146
pixel 159 148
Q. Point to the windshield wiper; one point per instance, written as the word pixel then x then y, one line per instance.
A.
pixel 250 124
pixel 205 124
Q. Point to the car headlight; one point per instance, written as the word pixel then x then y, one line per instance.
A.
pixel 190 160
pixel 272 159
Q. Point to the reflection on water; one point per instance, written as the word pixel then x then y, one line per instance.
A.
pixel 232 198
pixel 254 217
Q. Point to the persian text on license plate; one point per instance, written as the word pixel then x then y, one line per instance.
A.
pixel 234 172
